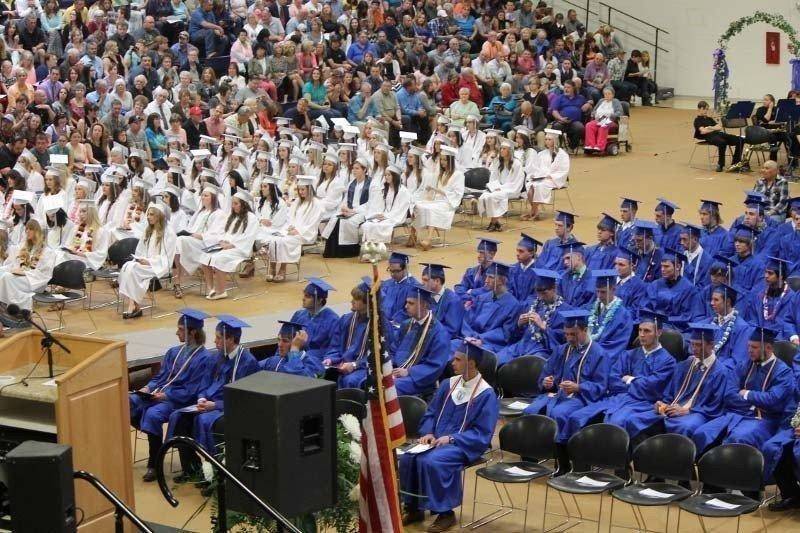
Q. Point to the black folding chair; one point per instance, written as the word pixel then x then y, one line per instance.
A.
pixel 785 351
pixel 119 253
pixel 596 446
pixel 518 381
pixel 732 467
pixel 532 437
pixel 669 457
pixel 69 277
pixel 488 368
pixel 349 407
pixel 413 409
pixel 356 395
pixel 672 341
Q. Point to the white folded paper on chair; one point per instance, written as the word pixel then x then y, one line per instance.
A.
pixel 517 471
pixel 650 493
pixel 589 482
pixel 56 296
pixel 419 448
pixel 517 406
pixel 719 504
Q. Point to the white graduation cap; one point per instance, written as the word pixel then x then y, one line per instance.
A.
pixel 352 130
pixel 306 181
pixel 408 136
pixel 275 180
pixel 110 178
pixel 551 131
pixel 261 154
pixel 377 132
pixel 347 147
pixel 21 170
pixel 331 156
pixel 59 159
pixel 158 206
pixel 319 129
pixel 97 169
pixel 173 190
pixel 209 173
pixel 383 147
pixel 202 153
pixel 140 183
pixel 322 122
pixel 141 154
pixel 208 139
pixel 449 150
pixel 23 197
pixel 283 121
pixel 244 195
pixel 361 160
pixel 232 137
pixel 395 169
pixel 242 152
pixel 472 118
pixel 118 148
pixel 173 137
pixel 314 145
pixel 286 143
pixel 508 143
pixel 211 188
pixel 454 127
pixel 87 184
pixel 441 119
pixel 340 121
pixel 417 151
pixel 88 202
pixel 267 139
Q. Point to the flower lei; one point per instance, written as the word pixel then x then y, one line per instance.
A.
pixel 765 303
pixel 726 333
pixel 610 312
pixel 29 260
pixel 78 241
pixel 549 309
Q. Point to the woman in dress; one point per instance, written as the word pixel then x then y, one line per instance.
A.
pixel 330 186
pixel 490 149
pixel 550 171
pixel 111 206
pixel 284 245
pixel 271 210
pixel 79 152
pixel 88 241
pixel 177 219
pixel 439 197
pixel 27 269
pixel 472 145
pixel 52 187
pixel 388 208
pixel 152 259
pixel 21 212
pixel 203 230
pixel 134 217
pixel 505 182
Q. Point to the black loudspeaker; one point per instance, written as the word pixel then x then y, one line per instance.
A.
pixel 280 441
pixel 40 488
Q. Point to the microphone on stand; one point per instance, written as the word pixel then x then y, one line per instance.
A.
pixel 47 339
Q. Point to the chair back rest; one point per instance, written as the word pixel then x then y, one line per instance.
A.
pixel 120 252
pixel 349 407
pixel 520 377
pixel 732 466
pixel 785 351
pixel 756 135
pixel 488 368
pixel 413 409
pixel 672 341
pixel 476 178
pixel 356 395
pixel 602 445
pixel 668 456
pixel 530 436
pixel 69 275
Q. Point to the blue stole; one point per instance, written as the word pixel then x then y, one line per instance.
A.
pixel 351 191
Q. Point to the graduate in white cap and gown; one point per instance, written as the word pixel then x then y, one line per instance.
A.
pixel 88 241
pixel 57 226
pixel 549 170
pixel 270 207
pixel 111 204
pixel 438 197
pixel 472 145
pixel 342 231
pixel 330 186
pixel 22 210
pixel 505 183
pixel 152 259
pixel 389 208
pixel 27 269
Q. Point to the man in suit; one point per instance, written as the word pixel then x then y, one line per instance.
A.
pixel 532 117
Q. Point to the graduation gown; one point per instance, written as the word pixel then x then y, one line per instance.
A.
pixel 469 153
pixel 774 310
pixel 631 291
pixel 669 237
pixel 503 185
pixel 449 311
pixel 601 257
pixel 651 373
pixel 350 347
pixel 135 277
pixel 773 449
pixel 277 218
pixel 182 372
pixel 19 290
pixel 678 300
pixel 535 341
pixel 209 224
pixel 612 328
pixel 237 365
pixel 713 241
pixel 730 340
pixel 577 289
pixel 706 383
pixel 588 366
pixel 305 218
pixel 696 270
pixel 93 244
pixel 551 256
pixel 625 233
pixel 789 248
pixel 747 272
pixel 490 319
pixel 393 298
pixel 347 227
pixel 321 329
pixel 649 266
pixel 437 210
pixel 547 172
pixel 469 415
pixel 295 363
pixel 754 419
pixel 520 283
pixel 472 283
pixel 394 208
pixel 425 358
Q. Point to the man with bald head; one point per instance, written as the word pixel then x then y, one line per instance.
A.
pixel 775 189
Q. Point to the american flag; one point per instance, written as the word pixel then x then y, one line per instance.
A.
pixel 383 431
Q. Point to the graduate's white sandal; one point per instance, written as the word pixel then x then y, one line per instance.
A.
pixel 220 296
pixel 211 293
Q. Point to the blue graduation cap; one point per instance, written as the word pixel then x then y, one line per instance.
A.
pixel 288 328
pixel 545 279
pixel 418 291
pixel 566 217
pixel 472 351
pixel 572 247
pixel 529 242
pixel 702 332
pixel 230 325
pixel 691 230
pixel 608 222
pixel 433 270
pixel 710 205
pixel 485 244
pixel 763 335
pixel 627 254
pixel 777 265
pixel 498 268
pixel 575 318
pixel 726 291
pixel 743 232
pixel 673 255
pixel 318 287
pixel 794 203
pixel 605 278
pixel 651 316
pixel 757 204
pixel 191 318
pixel 754 196
pixel 644 227
pixel 365 285
pixel 722 263
pixel 400 258
pixel 629 203
pixel 666 206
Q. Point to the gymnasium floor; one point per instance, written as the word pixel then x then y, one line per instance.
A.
pixel 657 166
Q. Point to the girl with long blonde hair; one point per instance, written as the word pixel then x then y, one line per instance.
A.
pixel 27 269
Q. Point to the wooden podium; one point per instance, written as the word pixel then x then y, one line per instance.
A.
pixel 85 406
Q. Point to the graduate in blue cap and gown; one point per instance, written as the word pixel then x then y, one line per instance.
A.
pixel 720 271
pixel 773 304
pixel 576 285
pixel 317 319
pixel 474 278
pixel 756 398
pixel 667 232
pixel 601 256
pixel 491 319
pixel 765 238
pixel 714 236
pixel 789 239
pixel 749 268
pixel 521 276
pixel 576 376
pixel 610 323
pixel 788 226
pixel 232 361
pixel 698 261
pixel 291 357
pixel 423 346
pixel 630 288
pixel 672 295
pixel 758 202
pixel 393 290
pixel 540 325
pixel 446 305
pixel 782 461
pixel 347 358
pixel 647 268
pixel 694 396
pixel 733 333
pixel 459 424
pixel 551 256
pixel 637 379
pixel 627 216
pixel 176 385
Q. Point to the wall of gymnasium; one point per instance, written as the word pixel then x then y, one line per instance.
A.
pixel 695 26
